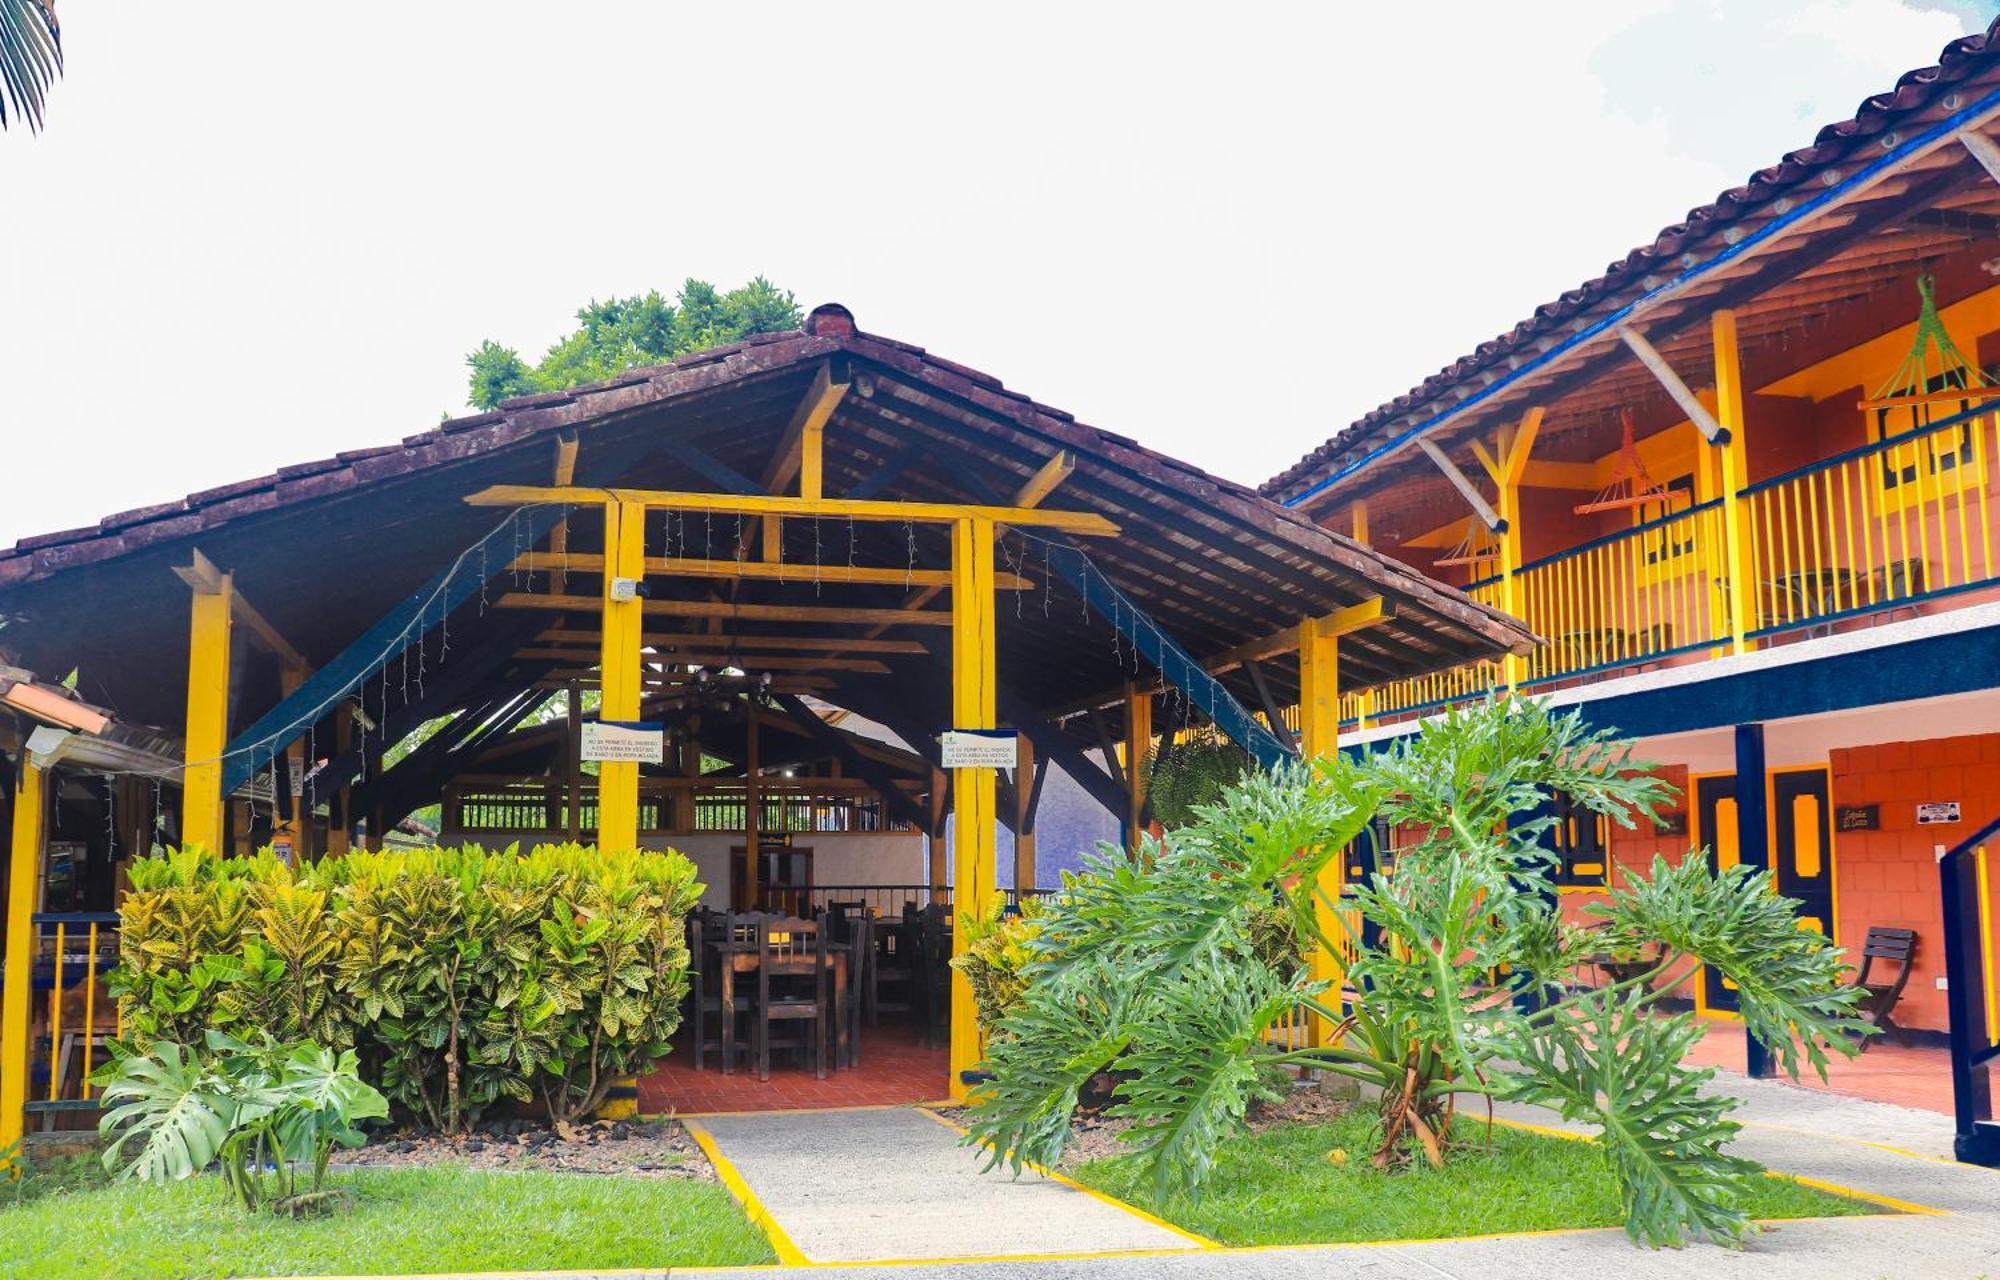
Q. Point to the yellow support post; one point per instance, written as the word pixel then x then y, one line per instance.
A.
pixel 23 870
pixel 1507 473
pixel 1738 561
pixel 207 713
pixel 1138 746
pixel 618 780
pixel 973 706
pixel 1319 735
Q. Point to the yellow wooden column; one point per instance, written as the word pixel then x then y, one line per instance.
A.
pixel 1739 562
pixel 1507 473
pixel 1365 710
pixel 207 714
pixel 23 871
pixel 619 659
pixel 1319 735
pixel 973 706
pixel 1138 746
pixel 1024 813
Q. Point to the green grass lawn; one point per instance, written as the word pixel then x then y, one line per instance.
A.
pixel 1279 1187
pixel 402 1221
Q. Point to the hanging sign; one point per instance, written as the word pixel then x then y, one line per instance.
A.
pixel 978 749
pixel 625 741
pixel 1937 811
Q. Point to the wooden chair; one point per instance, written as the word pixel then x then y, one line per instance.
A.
pixel 934 974
pixel 709 933
pixel 794 980
pixel 1896 946
pixel 860 950
pixel 893 969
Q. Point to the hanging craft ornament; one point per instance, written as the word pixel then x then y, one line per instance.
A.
pixel 1934 376
pixel 1477 547
pixel 1633 486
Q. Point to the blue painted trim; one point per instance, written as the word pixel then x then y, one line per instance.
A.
pixel 1165 653
pixel 1748 244
pixel 450 587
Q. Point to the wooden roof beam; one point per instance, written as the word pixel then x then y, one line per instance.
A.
pixel 203 576
pixel 1463 483
pixel 800 448
pixel 1044 482
pixel 1683 395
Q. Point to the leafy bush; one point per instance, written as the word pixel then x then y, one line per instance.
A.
pixel 261 1112
pixel 1465 981
pixel 998 952
pixel 459 976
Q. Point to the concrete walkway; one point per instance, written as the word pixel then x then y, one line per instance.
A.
pixel 920 1202
pixel 893 1183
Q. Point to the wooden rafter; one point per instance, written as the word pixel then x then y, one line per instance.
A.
pixel 717 658
pixel 203 576
pixel 1044 482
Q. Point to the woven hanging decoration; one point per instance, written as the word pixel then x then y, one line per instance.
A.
pixel 1634 486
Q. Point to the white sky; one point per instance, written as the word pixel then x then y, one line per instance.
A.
pixel 259 233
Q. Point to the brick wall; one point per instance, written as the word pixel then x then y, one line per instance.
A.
pixel 1889 877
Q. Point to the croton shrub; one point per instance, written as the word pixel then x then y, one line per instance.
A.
pixel 458 976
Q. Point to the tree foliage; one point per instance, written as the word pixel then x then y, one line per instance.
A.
pixel 1153 968
pixel 631 333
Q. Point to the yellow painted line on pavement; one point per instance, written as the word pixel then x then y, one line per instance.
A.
pixel 1199 1241
pixel 725 1169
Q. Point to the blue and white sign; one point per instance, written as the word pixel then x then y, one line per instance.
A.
pixel 625 741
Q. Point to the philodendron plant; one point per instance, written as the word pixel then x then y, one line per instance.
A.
pixel 1464 986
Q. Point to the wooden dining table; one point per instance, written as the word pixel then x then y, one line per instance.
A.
pixel 740 955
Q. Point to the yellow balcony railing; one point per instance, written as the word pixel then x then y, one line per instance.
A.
pixel 1640 595
pixel 1888 524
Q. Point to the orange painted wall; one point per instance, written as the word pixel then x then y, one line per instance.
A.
pixel 1889 877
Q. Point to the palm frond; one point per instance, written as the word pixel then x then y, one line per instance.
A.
pixel 30 58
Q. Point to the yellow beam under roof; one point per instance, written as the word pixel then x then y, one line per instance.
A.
pixel 1085 523
pixel 820 615
pixel 671 640
pixel 767 570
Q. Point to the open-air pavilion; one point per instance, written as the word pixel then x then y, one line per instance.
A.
pixel 755 552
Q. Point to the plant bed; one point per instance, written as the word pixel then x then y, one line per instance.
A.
pixel 631 1149
pixel 399 1221
pixel 1311 1182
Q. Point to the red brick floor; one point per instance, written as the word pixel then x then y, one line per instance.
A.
pixel 895 1068
pixel 1915 1077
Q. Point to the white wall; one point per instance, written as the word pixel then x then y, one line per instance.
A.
pixel 893 857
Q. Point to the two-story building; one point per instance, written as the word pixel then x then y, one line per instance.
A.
pixel 1745 484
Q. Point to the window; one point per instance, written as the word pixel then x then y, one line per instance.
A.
pixel 1930 465
pixel 1667 551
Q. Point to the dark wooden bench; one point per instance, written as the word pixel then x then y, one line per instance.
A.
pixel 1878 1004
